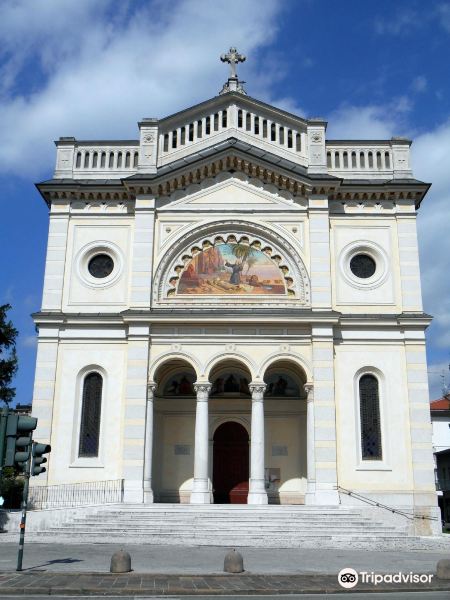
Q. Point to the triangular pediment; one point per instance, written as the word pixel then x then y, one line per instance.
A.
pixel 231 192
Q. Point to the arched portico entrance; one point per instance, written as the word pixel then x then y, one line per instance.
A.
pixel 230 464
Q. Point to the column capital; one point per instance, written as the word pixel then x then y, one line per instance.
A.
pixel 202 390
pixel 309 389
pixel 151 388
pixel 257 390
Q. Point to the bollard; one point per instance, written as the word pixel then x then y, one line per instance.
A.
pixel 120 562
pixel 443 569
pixel 233 563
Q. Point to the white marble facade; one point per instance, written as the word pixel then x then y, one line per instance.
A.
pixel 234 172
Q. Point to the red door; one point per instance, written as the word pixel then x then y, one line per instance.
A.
pixel 230 464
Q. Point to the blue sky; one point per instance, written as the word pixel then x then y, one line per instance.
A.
pixel 93 68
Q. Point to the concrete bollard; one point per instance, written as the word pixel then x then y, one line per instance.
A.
pixel 120 562
pixel 443 569
pixel 233 563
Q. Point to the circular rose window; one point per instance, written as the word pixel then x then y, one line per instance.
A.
pixel 100 266
pixel 363 266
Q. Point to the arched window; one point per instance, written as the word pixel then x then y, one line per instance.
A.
pixel 369 410
pixel 90 415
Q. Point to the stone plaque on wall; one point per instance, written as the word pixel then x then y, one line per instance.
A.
pixel 279 451
pixel 183 449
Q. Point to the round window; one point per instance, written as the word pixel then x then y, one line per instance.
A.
pixel 362 266
pixel 100 266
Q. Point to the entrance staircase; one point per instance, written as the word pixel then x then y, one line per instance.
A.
pixel 226 525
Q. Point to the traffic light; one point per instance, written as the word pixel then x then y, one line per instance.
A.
pixel 3 422
pixel 37 452
pixel 19 430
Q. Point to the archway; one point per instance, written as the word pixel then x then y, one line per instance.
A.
pixel 285 415
pixel 174 427
pixel 230 464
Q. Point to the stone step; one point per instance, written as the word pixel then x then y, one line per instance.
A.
pixel 223 526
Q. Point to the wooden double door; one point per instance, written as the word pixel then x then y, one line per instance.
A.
pixel 230 464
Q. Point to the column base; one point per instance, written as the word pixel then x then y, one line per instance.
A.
pixel 257 498
pixel 257 493
pixel 201 494
pixel 200 498
pixel 148 496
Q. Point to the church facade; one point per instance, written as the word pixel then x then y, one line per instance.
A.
pixel 232 312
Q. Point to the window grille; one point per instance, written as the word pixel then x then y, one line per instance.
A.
pixel 90 415
pixel 369 405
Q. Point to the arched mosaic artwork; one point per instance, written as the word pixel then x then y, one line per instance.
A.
pixel 232 268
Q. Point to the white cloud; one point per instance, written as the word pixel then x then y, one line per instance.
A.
pixel 99 74
pixel 438 378
pixel 404 21
pixel 29 341
pixel 359 122
pixel 443 15
pixel 419 84
pixel 430 163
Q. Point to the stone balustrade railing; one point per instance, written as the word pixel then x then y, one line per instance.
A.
pixel 347 159
pixel 95 158
pixel 385 159
pixel 287 139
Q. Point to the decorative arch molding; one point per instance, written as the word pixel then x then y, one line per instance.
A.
pixel 220 357
pixel 293 357
pixel 166 357
pixel 218 421
pixel 256 235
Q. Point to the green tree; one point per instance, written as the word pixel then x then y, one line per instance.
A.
pixel 242 252
pixel 8 356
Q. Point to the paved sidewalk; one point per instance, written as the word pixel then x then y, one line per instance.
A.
pixel 208 560
pixel 29 583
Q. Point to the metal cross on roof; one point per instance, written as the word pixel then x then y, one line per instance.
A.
pixel 232 58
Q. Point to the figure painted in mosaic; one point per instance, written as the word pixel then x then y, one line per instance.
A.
pixel 232 268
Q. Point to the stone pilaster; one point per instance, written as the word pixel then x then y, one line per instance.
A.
pixel 324 416
pixel 135 408
pixel 56 256
pixel 425 502
pixel 201 493
pixel 65 151
pixel 148 145
pixel 319 236
pixel 141 276
pixel 148 456
pixel 409 259
pixel 257 491
pixel 44 392
pixel 317 158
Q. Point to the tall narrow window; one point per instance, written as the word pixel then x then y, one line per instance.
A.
pixel 90 415
pixel 369 408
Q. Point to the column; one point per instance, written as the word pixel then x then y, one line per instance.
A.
pixel 201 493
pixel 310 497
pixel 148 451
pixel 257 489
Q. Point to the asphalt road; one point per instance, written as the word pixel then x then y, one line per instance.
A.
pixel 354 596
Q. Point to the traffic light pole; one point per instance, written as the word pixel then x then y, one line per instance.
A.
pixel 3 422
pixel 23 519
